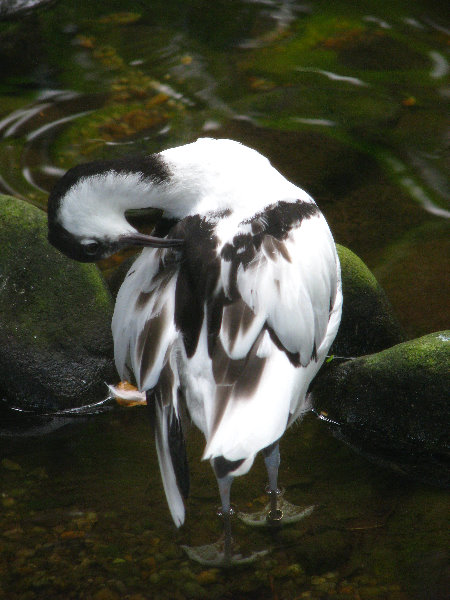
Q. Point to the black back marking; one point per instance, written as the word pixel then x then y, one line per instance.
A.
pixel 269 229
pixel 197 278
pixel 198 273
pixel 283 216
pixel 223 467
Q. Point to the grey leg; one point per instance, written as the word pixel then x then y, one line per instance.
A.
pixel 226 513
pixel 272 460
pixel 278 510
pixel 221 552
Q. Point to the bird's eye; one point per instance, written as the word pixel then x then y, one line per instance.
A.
pixel 91 248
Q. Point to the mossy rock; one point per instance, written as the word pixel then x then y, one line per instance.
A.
pixel 368 322
pixel 55 319
pixel 392 406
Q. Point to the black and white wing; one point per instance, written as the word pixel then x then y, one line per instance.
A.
pixel 281 302
pixel 144 335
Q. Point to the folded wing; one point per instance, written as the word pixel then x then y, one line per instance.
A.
pixel 279 287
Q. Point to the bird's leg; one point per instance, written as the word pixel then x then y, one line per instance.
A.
pixel 226 512
pixel 272 460
pixel 278 511
pixel 221 553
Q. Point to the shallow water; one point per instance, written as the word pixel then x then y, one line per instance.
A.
pixel 83 511
pixel 350 103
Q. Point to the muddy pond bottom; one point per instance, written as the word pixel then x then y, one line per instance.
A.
pixel 84 516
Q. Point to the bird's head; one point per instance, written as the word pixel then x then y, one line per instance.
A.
pixel 86 208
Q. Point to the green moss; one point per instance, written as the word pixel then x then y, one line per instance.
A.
pixel 430 352
pixel 356 272
pixel 55 315
pixel 40 286
pixel 393 405
pixel 303 47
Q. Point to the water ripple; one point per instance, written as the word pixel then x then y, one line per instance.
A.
pixel 26 136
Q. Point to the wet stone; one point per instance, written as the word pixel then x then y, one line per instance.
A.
pixel 56 316
pixel 392 406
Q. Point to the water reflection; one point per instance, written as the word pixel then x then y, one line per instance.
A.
pixel 335 76
pixel 26 136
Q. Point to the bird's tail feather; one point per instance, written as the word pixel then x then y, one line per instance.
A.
pixel 172 458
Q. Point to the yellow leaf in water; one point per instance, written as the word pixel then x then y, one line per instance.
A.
pixel 410 101
pixel 85 42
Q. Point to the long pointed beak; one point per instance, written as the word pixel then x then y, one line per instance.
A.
pixel 141 239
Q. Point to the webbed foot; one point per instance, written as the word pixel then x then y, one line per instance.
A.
pixel 277 512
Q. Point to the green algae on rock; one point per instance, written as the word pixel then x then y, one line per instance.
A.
pixel 392 406
pixel 368 323
pixel 55 318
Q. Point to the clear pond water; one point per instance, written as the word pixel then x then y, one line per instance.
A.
pixel 350 102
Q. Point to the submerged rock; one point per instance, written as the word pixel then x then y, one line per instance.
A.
pixel 392 406
pixel 368 322
pixel 55 319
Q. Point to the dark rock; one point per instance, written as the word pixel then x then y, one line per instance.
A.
pixel 368 322
pixel 55 319
pixel 392 406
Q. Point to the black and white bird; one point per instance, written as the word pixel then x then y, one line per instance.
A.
pixel 229 311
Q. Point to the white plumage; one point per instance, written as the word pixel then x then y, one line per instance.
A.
pixel 229 328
